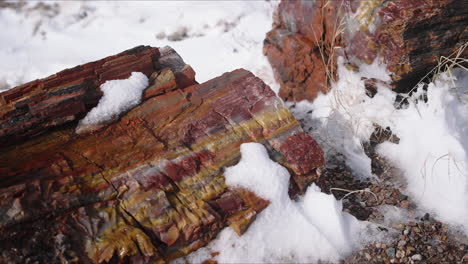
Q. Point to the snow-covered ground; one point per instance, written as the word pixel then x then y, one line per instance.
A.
pixel 212 36
pixel 215 37
pixel 433 149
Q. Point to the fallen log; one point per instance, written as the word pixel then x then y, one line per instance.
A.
pixel 408 36
pixel 148 187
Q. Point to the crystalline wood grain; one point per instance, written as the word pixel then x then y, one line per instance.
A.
pixel 148 187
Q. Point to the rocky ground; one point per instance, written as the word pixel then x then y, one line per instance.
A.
pixel 416 238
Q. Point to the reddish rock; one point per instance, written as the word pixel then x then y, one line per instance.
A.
pixel 33 108
pixel 404 204
pixel 148 187
pixel 409 36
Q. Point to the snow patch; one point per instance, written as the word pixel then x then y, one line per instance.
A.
pixel 375 70
pixel 344 118
pixel 119 96
pixel 311 229
pixel 433 149
pixel 229 35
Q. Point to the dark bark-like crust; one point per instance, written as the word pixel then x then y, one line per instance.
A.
pixel 409 36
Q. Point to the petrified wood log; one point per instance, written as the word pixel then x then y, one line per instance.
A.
pixel 409 36
pixel 148 187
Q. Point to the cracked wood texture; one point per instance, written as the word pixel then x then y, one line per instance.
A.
pixel 148 187
pixel 409 36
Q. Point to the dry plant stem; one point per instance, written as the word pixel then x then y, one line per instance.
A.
pixel 442 62
pixel 352 192
pixel 328 62
pixel 437 160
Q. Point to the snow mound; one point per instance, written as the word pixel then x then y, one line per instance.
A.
pixel 433 150
pixel 433 147
pixel 312 229
pixel 119 96
pixel 344 118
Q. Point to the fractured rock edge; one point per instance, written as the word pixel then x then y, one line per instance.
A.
pixel 409 36
pixel 148 187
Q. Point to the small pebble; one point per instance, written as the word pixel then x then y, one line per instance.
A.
pixel 399 226
pixel 391 253
pixel 400 254
pixel 404 204
pixel 401 243
pixel 416 257
pixel 426 217
pixel 402 197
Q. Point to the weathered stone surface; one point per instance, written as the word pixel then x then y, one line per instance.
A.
pixel 409 36
pixel 148 187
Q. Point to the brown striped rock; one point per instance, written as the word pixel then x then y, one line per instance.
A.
pixel 408 35
pixel 148 187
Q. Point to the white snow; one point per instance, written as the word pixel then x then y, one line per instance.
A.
pixel 220 35
pixel 118 97
pixel 433 149
pixel 312 229
pixel 344 118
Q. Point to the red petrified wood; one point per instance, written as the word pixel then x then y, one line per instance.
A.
pixel 408 35
pixel 148 187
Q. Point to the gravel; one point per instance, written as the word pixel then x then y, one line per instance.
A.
pixel 419 240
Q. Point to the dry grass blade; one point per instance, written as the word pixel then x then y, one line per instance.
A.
pixel 349 192
pixel 445 64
